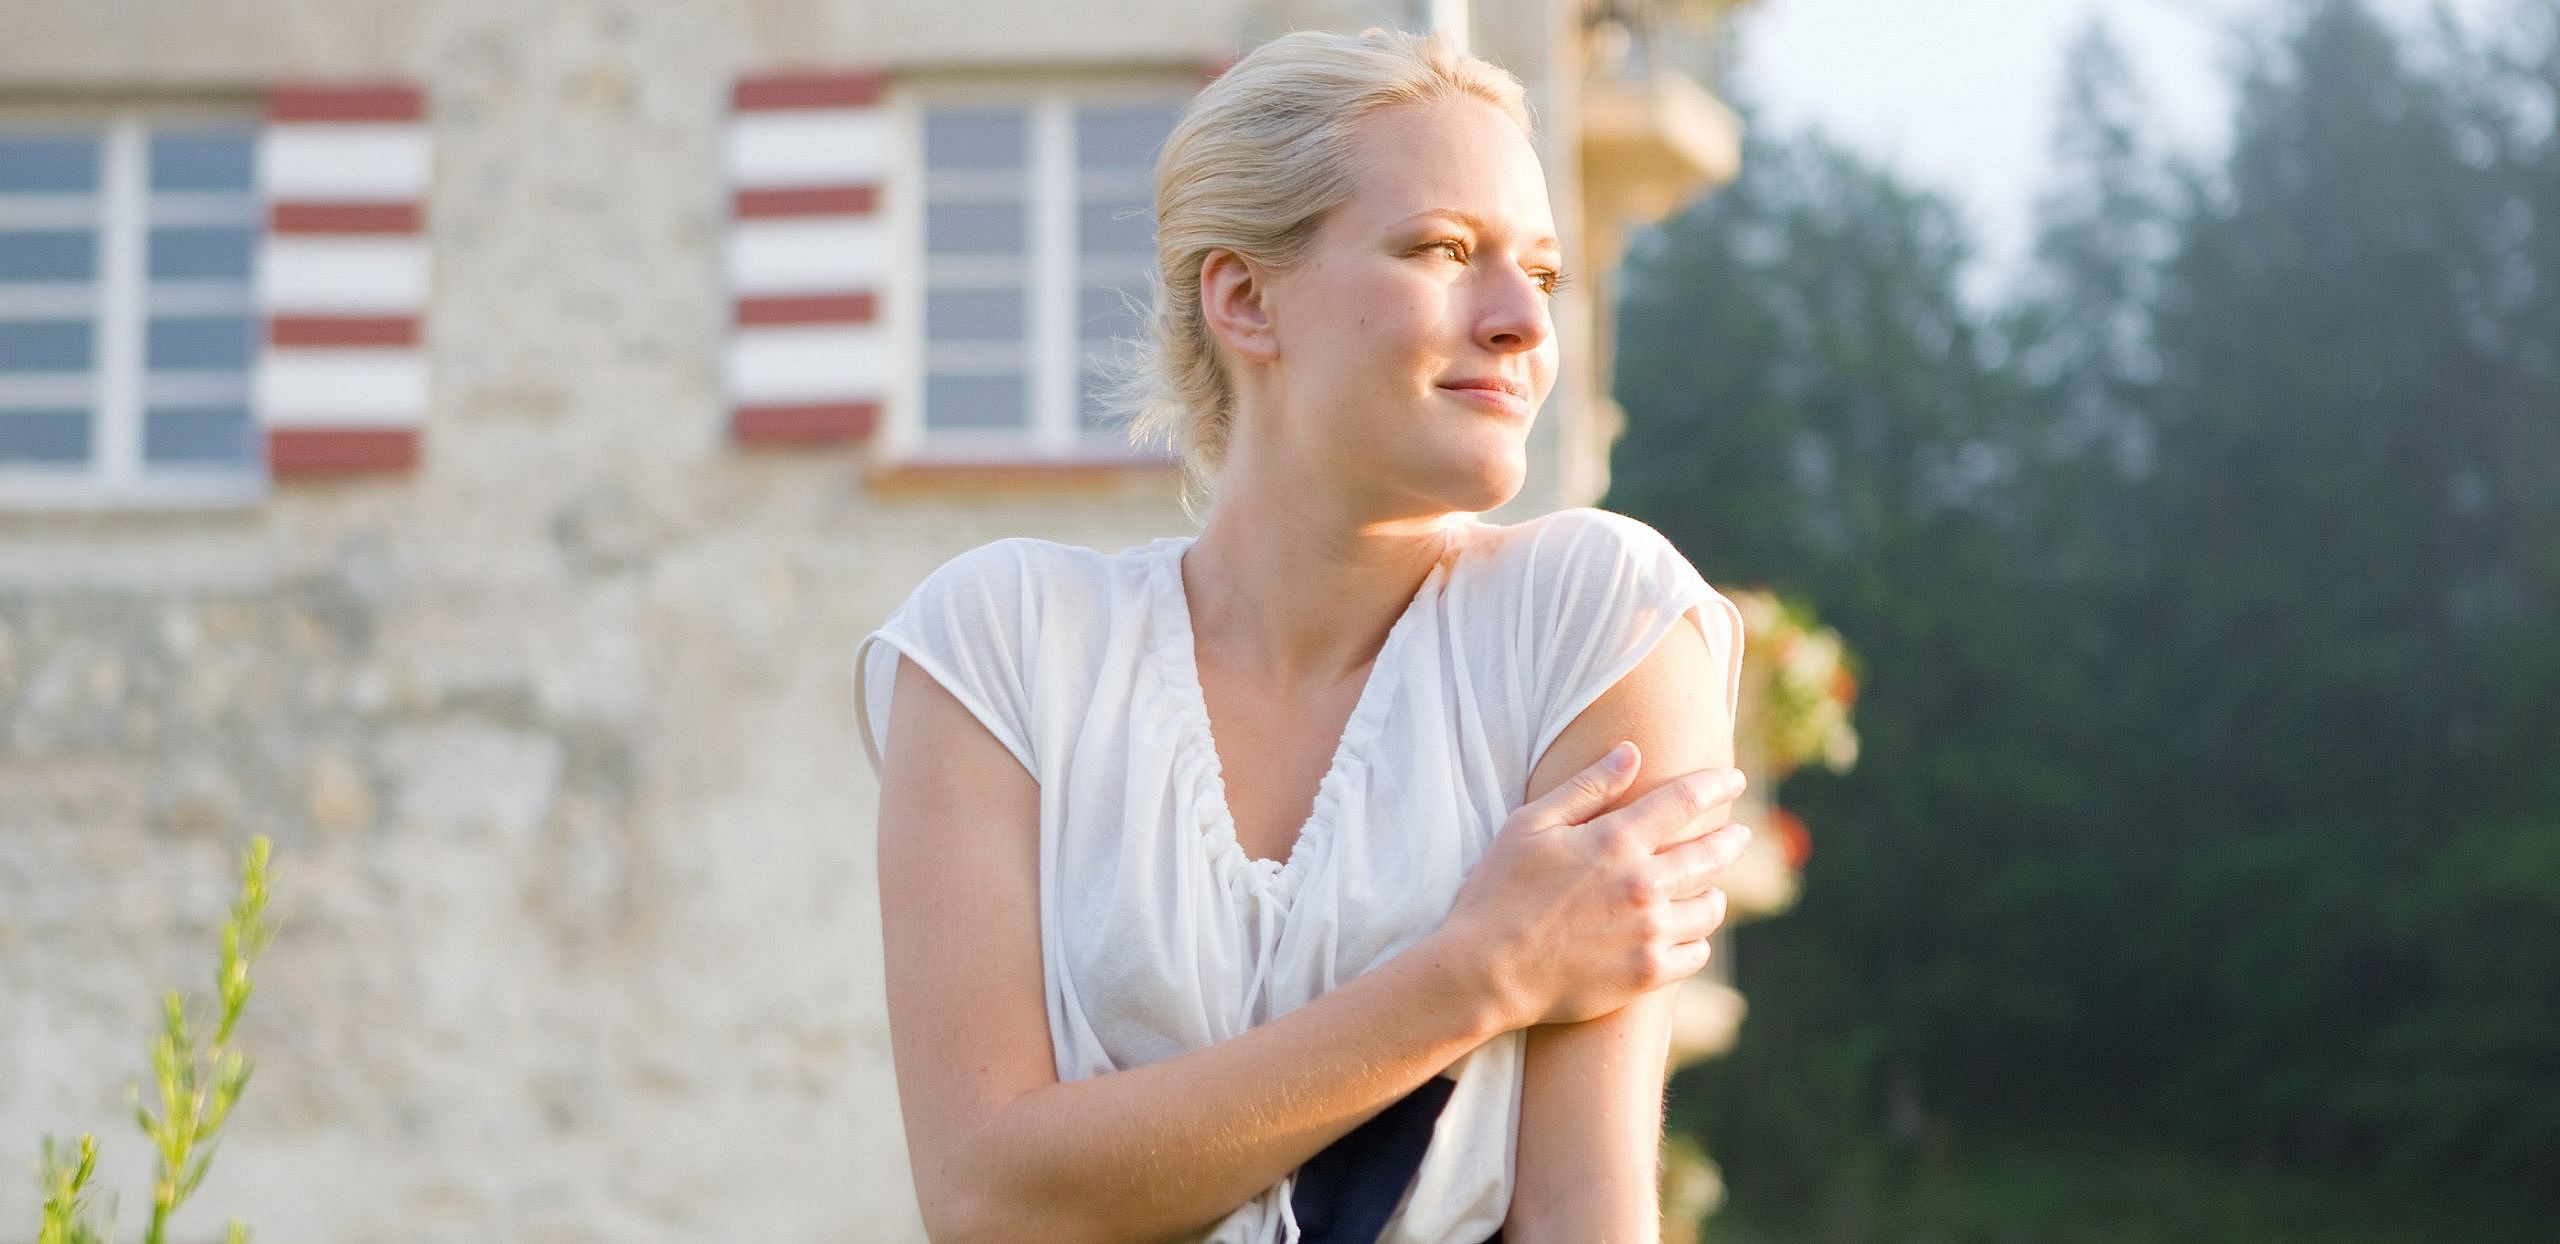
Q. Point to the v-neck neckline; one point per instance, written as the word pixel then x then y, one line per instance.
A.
pixel 1276 878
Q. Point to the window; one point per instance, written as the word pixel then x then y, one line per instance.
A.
pixel 1035 246
pixel 128 326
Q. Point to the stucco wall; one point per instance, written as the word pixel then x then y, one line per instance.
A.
pixel 554 734
pixel 140 43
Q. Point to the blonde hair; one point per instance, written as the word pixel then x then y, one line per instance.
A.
pixel 1255 163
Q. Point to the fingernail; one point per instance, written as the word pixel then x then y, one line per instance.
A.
pixel 1733 783
pixel 1620 757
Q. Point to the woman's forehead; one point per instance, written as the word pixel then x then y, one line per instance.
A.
pixel 1450 162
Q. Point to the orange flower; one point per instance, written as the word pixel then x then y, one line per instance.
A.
pixel 1844 685
pixel 1794 839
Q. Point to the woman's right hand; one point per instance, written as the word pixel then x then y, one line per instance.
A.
pixel 1575 911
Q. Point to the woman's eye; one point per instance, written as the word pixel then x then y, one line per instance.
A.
pixel 1551 280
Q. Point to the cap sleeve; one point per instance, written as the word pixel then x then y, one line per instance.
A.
pixel 1604 589
pixel 968 625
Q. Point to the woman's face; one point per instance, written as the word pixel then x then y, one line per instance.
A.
pixel 1436 273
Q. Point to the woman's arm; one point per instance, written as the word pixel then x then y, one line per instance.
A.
pixel 1003 1151
pixel 1591 1106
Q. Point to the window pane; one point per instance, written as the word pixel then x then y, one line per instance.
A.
pixel 49 255
pixel 46 437
pixel 211 159
pixel 976 138
pixel 1121 136
pixel 196 436
pixel 45 345
pixel 198 341
pixel 201 254
pixel 974 315
pixel 962 403
pixel 1115 227
pixel 1105 314
pixel 974 229
pixel 48 164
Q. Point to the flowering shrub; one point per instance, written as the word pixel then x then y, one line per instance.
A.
pixel 1799 684
pixel 1805 682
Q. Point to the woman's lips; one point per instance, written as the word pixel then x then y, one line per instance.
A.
pixel 1498 400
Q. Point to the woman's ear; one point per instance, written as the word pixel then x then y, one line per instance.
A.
pixel 1233 292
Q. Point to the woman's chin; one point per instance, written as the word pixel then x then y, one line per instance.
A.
pixel 1471 473
pixel 1480 484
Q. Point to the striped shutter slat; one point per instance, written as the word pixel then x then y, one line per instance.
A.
pixel 342 278
pixel 807 155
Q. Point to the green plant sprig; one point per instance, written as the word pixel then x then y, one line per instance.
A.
pixel 197 1087
pixel 66 1193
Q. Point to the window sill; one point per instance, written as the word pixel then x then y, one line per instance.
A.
pixel 35 493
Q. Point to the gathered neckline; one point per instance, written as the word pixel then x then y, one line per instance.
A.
pixel 1175 651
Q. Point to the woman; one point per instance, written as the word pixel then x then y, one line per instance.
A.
pixel 1269 884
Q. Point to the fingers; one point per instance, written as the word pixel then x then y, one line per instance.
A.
pixel 1694 919
pixel 1682 960
pixel 1680 809
pixel 1687 870
pixel 1588 793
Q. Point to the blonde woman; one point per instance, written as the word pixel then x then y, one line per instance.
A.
pixel 1272 884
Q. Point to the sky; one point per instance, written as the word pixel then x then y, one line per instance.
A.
pixel 1959 95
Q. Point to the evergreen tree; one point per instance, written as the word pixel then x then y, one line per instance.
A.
pixel 2206 596
pixel 2103 229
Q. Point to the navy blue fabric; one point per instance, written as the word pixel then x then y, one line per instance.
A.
pixel 1345 1194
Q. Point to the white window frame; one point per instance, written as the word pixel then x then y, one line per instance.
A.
pixel 1057 353
pixel 116 477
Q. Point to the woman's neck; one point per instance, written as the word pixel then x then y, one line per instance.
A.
pixel 1293 594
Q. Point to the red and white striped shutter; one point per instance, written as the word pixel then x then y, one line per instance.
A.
pixel 808 156
pixel 342 278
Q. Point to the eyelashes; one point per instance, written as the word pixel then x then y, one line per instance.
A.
pixel 1556 278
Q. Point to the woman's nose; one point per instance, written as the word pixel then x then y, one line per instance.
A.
pixel 1514 315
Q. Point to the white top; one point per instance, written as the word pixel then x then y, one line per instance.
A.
pixel 1158 934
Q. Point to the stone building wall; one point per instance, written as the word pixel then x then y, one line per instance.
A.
pixel 554 732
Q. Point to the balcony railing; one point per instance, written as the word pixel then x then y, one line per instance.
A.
pixel 1631 40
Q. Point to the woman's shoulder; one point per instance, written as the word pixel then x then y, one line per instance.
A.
pixel 1037 604
pixel 1018 555
pixel 1578 542
pixel 1034 572
pixel 1575 571
pixel 996 624
pixel 1589 594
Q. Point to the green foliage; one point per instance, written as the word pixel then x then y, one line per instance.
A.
pixel 2059 1185
pixel 198 1085
pixel 2208 596
pixel 66 1194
